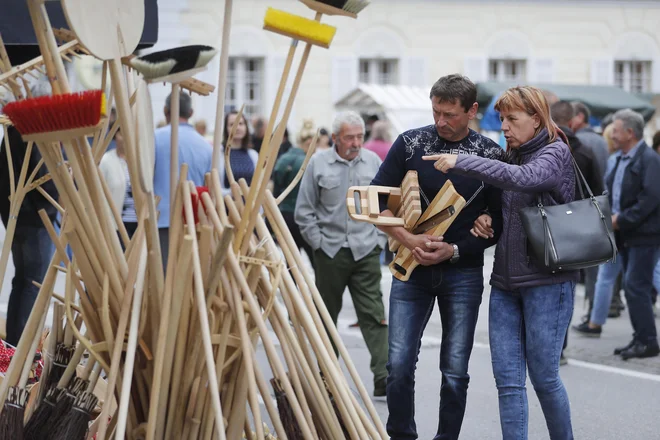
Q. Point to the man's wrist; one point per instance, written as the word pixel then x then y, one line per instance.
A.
pixel 456 254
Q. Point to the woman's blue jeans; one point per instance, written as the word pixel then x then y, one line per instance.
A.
pixel 527 329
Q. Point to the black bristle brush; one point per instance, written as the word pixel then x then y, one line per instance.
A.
pixel 11 419
pixel 37 427
pixel 177 60
pixel 75 424
pixel 353 6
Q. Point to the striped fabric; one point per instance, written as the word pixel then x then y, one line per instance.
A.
pixel 128 214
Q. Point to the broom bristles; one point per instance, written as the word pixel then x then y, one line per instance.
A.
pixel 56 113
pixel 37 428
pixel 170 61
pixel 11 419
pixel 76 424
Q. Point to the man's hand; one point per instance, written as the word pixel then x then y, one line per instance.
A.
pixel 483 227
pixel 439 252
pixel 615 223
pixel 420 241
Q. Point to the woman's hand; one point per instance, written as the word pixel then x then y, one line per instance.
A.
pixel 483 227
pixel 443 162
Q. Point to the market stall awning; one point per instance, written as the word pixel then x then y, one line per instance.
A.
pixel 18 33
pixel 601 100
pixel 404 107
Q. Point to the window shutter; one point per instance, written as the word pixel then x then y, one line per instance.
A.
pixel 414 72
pixel 476 68
pixel 541 71
pixel 344 76
pixel 602 71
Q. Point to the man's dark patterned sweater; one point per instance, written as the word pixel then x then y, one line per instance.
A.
pixel 406 154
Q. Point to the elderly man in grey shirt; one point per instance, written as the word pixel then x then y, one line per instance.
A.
pixel 346 252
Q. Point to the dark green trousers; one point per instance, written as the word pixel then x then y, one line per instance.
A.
pixel 334 275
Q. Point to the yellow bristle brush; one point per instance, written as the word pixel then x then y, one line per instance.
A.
pixel 299 28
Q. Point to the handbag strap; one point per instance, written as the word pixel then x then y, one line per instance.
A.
pixel 578 172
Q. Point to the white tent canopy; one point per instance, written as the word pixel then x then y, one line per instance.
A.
pixel 404 107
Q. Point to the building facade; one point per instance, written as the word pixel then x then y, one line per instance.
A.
pixel 414 42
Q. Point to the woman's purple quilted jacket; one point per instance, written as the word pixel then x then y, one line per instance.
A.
pixel 537 167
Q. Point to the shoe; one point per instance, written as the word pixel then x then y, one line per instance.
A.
pixel 614 313
pixel 620 350
pixel 585 330
pixel 380 388
pixel 639 350
pixel 563 360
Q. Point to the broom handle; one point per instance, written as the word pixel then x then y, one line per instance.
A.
pixel 266 142
pixel 222 85
pixel 301 171
pixel 129 362
pixel 36 338
pixel 174 144
pixel 323 311
pixel 200 299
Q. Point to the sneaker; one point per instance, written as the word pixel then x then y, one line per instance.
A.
pixel 562 360
pixel 380 388
pixel 585 330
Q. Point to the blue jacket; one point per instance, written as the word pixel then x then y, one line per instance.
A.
pixel 639 219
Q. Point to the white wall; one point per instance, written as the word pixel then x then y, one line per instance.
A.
pixel 567 42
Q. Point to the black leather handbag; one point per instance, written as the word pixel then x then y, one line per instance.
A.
pixel 571 236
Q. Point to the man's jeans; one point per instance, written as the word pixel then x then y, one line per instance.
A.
pixel 638 267
pixel 527 329
pixel 458 293
pixel 32 250
pixel 607 275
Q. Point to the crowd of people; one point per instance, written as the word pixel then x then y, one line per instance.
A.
pixel 530 308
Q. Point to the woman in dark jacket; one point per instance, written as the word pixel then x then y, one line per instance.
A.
pixel 530 309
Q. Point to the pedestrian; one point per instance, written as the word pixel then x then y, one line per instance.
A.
pixel 530 309
pixel 194 151
pixel 114 168
pixel 31 248
pixel 286 169
pixel 450 271
pixel 635 199
pixel 380 140
pixel 346 252
pixel 242 157
pixel 582 128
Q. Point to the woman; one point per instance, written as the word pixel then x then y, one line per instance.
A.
pixel 114 168
pixel 380 140
pixel 285 171
pixel 242 158
pixel 323 142
pixel 530 309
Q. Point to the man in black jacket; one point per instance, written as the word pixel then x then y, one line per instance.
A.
pixel 635 198
pixel 31 248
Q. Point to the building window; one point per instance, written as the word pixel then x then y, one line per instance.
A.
pixel 633 76
pixel 382 72
pixel 245 85
pixel 506 70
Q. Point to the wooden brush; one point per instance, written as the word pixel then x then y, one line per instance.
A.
pixel 327 6
pixel 59 117
pixel 299 28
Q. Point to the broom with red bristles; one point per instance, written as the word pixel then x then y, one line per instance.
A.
pixel 59 117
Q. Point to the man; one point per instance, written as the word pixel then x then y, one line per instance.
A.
pixel 635 198
pixel 194 150
pixel 346 252
pixel 31 248
pixel 592 140
pixel 451 270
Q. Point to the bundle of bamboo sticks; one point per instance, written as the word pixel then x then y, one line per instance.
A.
pixel 136 350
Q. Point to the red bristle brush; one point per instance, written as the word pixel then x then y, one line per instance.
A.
pixel 58 117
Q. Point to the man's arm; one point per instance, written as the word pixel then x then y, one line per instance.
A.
pixel 306 205
pixel 647 200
